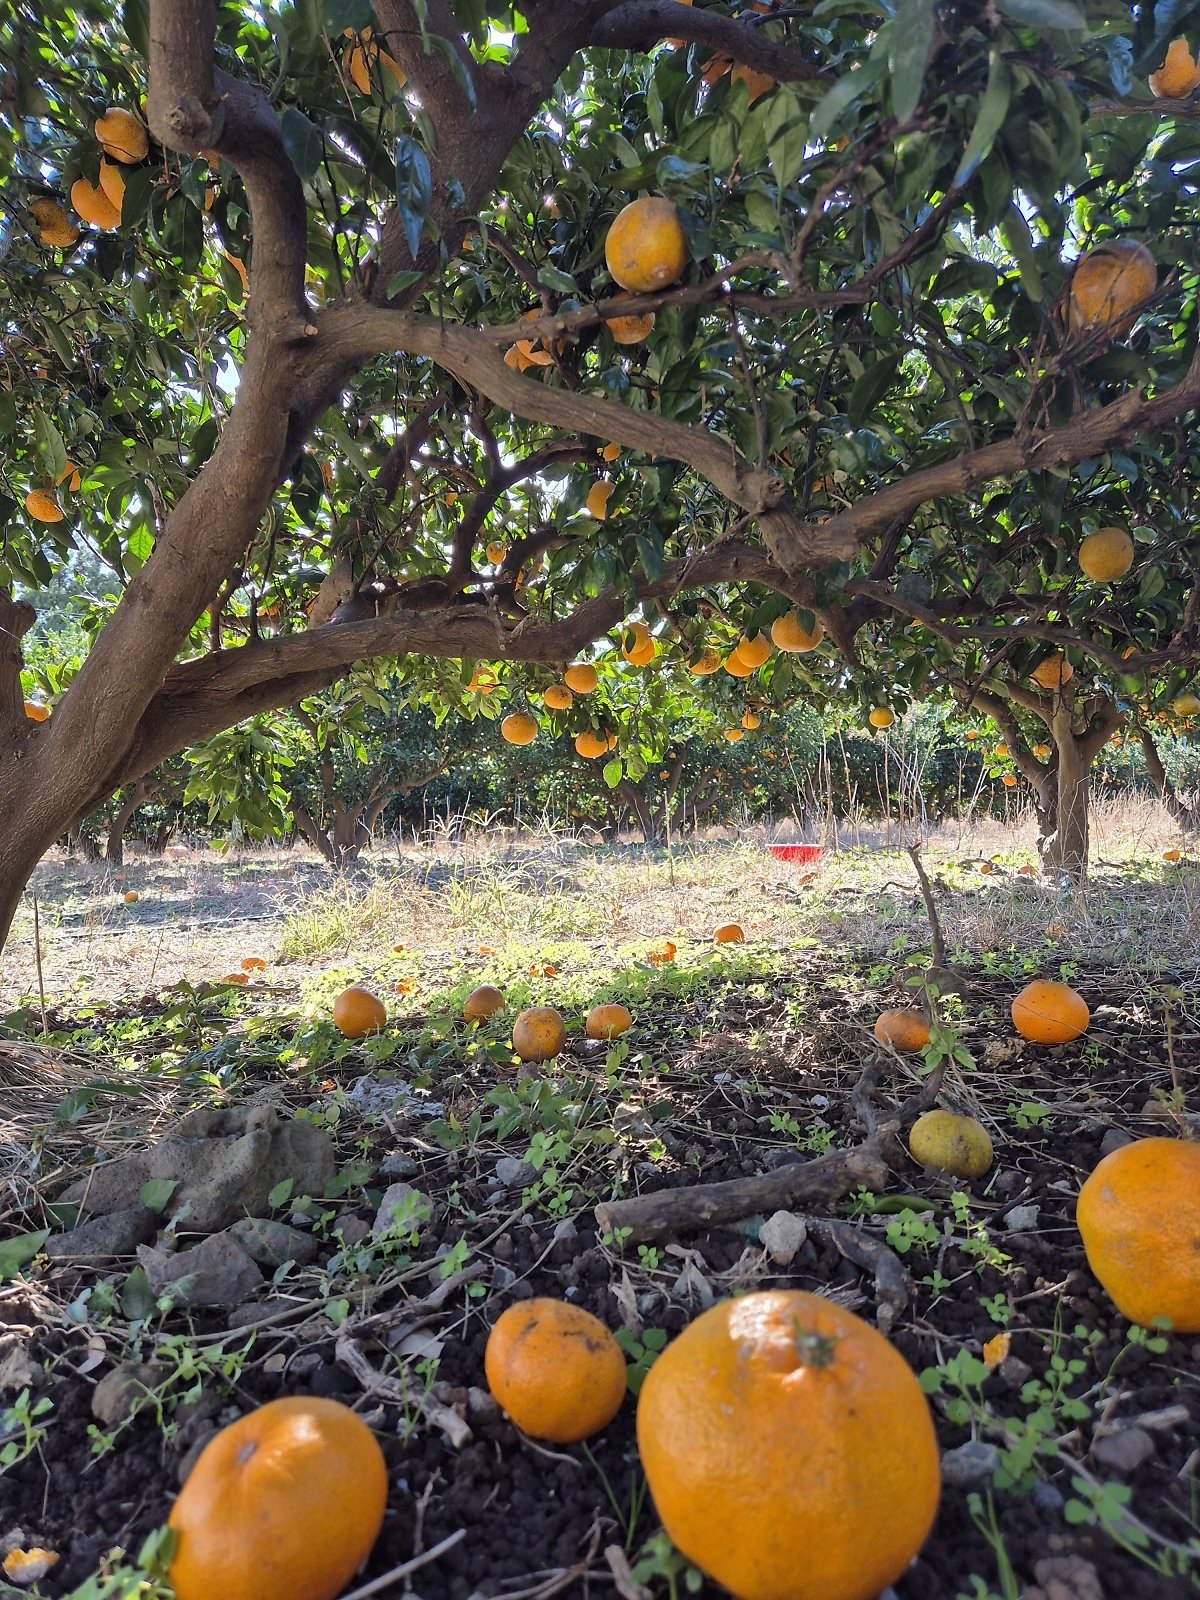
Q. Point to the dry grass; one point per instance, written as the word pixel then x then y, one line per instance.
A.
pixel 200 914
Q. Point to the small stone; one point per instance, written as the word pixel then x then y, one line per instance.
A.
pixel 1014 1372
pixel 971 1465
pixel 351 1228
pixel 1114 1139
pixel 124 1391
pixel 398 1166
pixel 502 1277
pixel 222 1273
pixel 1007 1182
pixel 117 1234
pixel 502 1248
pixel 1022 1219
pixel 402 1211
pixel 1046 1497
pixel 782 1235
pixel 481 1407
pixel 269 1244
pixel 245 1316
pixel 1124 1451
pixel 514 1174
pixel 564 1243
pixel 18 1369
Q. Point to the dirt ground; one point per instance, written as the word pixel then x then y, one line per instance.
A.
pixel 1082 1482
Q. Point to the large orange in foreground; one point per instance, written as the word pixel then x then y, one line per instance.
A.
pixel 1139 1214
pixel 284 1504
pixel 555 1369
pixel 789 1449
pixel 1046 1012
pixel 357 1012
pixel 539 1034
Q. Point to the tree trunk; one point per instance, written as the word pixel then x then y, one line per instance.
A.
pixel 1186 816
pixel 1064 850
pixel 80 843
pixel 114 846
pixel 647 821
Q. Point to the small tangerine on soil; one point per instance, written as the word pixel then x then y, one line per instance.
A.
pixel 253 964
pixel 904 1029
pixel 131 897
pixel 1139 1217
pixel 483 1002
pixel 1047 1012
pixel 607 1021
pixel 539 1034
pixel 283 1504
pixel 357 1012
pixel 728 933
pixel 555 1369
pixel 789 1449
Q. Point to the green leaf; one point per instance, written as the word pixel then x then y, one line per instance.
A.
pixel 303 141
pixel 22 1247
pixel 911 33
pixel 50 444
pixel 399 281
pixel 614 771
pixel 1043 13
pixel 137 1297
pixel 414 189
pixel 993 109
pixel 135 18
pixel 785 127
pixel 845 93
pixel 870 388
pixel 155 1193
pixel 560 282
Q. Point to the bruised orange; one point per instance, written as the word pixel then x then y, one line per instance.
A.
pixel 905 1030
pixel 357 1012
pixel 555 1369
pixel 557 697
pixel 539 1034
pixel 283 1504
pixel 607 1021
pixel 1139 1216
pixel 483 1002
pixel 789 1450
pixel 1047 1012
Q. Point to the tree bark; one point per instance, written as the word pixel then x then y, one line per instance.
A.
pixel 114 847
pixel 1188 817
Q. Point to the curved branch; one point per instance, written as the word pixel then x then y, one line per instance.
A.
pixel 640 24
pixel 355 332
pixel 192 108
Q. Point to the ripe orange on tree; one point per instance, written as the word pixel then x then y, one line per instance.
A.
pixel 54 228
pixel 591 746
pixel 35 711
pixel 1108 286
pixel 881 717
pixel 789 1450
pixel 283 1504
pixel 122 137
pixel 558 697
pixel 607 1021
pixel 519 728
pixel 790 635
pixel 94 206
pixel 1179 74
pixel 357 1012
pixel 1048 1012
pixel 43 506
pixel 1139 1215
pixel 736 665
pixel 628 330
pixel 1106 555
pixel 1053 672
pixel 483 1002
pixel 754 651
pixel 555 1369
pixel 904 1029
pixel 645 247
pixel 539 1034
pixel 580 678
pixel 706 663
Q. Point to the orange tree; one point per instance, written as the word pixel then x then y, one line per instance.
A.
pixel 333 301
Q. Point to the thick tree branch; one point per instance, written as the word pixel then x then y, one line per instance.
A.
pixel 193 108
pixel 354 332
pixel 640 24
pixel 431 74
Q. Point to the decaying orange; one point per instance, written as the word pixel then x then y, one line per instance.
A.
pixel 357 1012
pixel 904 1029
pixel 539 1034
pixel 728 933
pixel 646 248
pixel 1139 1215
pixel 789 1449
pixel 283 1504
pixel 1047 1012
pixel 483 1002
pixel 555 1369
pixel 607 1021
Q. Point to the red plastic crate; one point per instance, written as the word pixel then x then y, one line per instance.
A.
pixel 797 852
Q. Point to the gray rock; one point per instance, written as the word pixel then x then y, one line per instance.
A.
pixel 782 1235
pixel 402 1210
pixel 224 1165
pixel 1022 1219
pixel 253 1311
pixel 223 1273
pixel 124 1391
pixel 971 1465
pixel 502 1277
pixel 1014 1371
pixel 1046 1497
pixel 269 1244
pixel 351 1228
pixel 1114 1139
pixel 398 1166
pixel 117 1234
pixel 1123 1451
pixel 514 1174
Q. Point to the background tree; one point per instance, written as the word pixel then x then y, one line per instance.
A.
pixel 276 351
